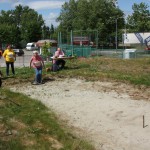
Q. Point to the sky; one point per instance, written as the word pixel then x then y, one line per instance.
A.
pixel 50 9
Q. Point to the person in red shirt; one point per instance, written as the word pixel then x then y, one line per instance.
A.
pixel 60 63
pixel 37 63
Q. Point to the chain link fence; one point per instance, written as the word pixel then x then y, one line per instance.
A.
pixel 24 61
pixel 21 61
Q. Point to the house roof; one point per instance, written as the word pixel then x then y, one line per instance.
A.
pixel 41 42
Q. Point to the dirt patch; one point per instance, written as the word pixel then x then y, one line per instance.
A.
pixel 110 114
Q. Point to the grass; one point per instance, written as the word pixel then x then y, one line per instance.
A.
pixel 28 124
pixel 134 71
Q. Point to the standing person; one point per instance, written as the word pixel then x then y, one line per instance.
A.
pixel 37 63
pixel 10 57
pixel 59 63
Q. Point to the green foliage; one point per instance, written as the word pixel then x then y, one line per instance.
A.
pixel 139 21
pixel 21 24
pixel 91 15
pixel 28 124
pixel 46 49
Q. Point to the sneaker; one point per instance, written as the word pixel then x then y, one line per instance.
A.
pixel 35 83
pixel 41 82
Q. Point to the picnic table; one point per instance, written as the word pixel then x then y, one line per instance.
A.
pixel 62 57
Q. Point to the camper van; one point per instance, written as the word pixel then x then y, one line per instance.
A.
pixel 31 46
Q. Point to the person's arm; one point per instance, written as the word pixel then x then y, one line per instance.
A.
pixel 43 63
pixel 63 54
pixel 4 54
pixel 14 55
pixel 56 54
pixel 30 62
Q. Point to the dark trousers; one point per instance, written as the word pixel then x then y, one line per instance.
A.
pixel 61 63
pixel 0 78
pixel 12 67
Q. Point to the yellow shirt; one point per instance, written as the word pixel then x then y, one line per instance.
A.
pixel 9 55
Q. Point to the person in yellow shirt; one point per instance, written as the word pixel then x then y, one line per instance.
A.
pixel 10 57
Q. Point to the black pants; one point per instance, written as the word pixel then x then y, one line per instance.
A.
pixel 61 63
pixel 0 78
pixel 12 68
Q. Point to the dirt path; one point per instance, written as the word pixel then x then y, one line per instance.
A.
pixel 105 112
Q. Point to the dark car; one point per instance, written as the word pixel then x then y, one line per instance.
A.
pixel 19 52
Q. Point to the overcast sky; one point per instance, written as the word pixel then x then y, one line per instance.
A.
pixel 50 9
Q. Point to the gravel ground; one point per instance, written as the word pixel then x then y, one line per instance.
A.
pixel 108 114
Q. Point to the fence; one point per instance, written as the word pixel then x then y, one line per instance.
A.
pixel 119 53
pixel 79 51
pixel 23 61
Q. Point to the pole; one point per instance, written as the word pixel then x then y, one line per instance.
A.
pixel 71 34
pixel 116 35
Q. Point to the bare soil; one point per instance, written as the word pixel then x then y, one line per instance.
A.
pixel 109 114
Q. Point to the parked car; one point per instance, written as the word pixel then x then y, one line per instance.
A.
pixel 19 52
pixel 31 46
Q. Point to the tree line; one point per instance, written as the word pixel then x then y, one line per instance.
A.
pixel 24 24
pixel 21 26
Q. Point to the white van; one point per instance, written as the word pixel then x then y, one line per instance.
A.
pixel 31 47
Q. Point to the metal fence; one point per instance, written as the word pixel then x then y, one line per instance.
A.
pixel 23 61
pixel 120 53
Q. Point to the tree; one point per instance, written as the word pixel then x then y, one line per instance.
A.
pixel 139 21
pixel 20 26
pixel 45 50
pixel 52 30
pixel 91 15
pixel 30 24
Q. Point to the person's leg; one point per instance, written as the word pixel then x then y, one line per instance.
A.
pixel 55 66
pixel 57 62
pixel 7 68
pixel 39 75
pixel 12 68
pixel 62 63
pixel 36 75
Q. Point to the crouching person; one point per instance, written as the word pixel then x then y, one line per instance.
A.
pixel 37 63
pixel 59 63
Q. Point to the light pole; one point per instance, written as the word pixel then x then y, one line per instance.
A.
pixel 116 34
pixel 116 38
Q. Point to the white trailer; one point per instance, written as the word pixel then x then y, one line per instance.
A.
pixel 137 38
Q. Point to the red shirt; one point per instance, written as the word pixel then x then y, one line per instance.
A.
pixel 36 61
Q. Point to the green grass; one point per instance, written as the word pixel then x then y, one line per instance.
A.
pixel 134 71
pixel 28 124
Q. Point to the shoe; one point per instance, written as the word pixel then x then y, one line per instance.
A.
pixel 41 82
pixel 35 83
